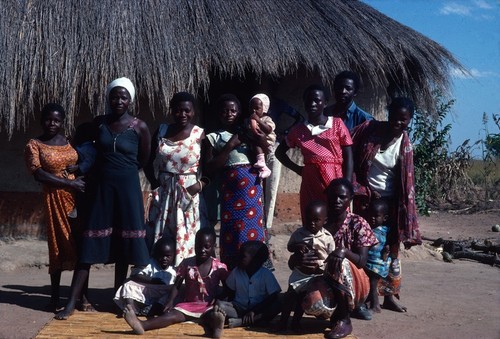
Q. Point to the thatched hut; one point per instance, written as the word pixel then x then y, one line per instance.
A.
pixel 67 51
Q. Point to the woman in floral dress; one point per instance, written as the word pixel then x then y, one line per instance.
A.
pixel 174 173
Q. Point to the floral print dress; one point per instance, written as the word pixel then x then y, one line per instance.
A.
pixel 178 165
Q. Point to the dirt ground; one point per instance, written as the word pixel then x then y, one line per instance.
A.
pixel 444 300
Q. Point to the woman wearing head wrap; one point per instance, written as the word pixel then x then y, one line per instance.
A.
pixel 115 227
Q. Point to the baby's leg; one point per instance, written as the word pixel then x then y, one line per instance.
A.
pixel 264 171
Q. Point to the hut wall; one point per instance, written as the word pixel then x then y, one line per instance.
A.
pixel 21 210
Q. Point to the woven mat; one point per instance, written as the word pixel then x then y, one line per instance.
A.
pixel 107 325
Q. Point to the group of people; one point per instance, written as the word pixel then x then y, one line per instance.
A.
pixel 356 201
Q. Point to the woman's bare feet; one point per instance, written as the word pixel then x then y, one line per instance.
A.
pixel 132 320
pixel 219 316
pixel 390 304
pixel 66 312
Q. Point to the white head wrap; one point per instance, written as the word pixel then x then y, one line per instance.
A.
pixel 265 101
pixel 121 82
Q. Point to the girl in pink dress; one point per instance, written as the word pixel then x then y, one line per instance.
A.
pixel 325 144
pixel 202 274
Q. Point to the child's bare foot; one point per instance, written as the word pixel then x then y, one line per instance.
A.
pixel 390 304
pixel 219 316
pixel 132 320
pixel 264 172
pixel 87 307
pixel 375 308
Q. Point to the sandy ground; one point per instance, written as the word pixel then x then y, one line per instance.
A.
pixel 444 300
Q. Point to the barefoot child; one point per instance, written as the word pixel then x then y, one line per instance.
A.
pixel 147 290
pixel 259 105
pixel 310 237
pixel 377 265
pixel 253 289
pixel 202 275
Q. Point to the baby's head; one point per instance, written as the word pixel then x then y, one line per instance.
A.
pixel 316 214
pixel 379 213
pixel 253 254
pixel 204 243
pixel 259 104
pixel 164 252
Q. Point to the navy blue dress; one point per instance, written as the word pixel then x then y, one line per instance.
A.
pixel 115 229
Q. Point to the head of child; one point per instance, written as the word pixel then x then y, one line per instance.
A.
pixel 259 104
pixel 253 254
pixel 204 244
pixel 84 133
pixel 315 100
pixel 228 108
pixel 379 213
pixel 361 204
pixel 339 195
pixel 164 252
pixel 316 214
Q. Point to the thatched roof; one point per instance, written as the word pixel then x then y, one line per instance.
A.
pixel 68 50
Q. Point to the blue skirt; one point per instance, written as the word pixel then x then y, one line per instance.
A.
pixel 241 211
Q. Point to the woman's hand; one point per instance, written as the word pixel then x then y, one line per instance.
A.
pixel 334 263
pixel 233 142
pixel 72 168
pixel 195 188
pixel 78 184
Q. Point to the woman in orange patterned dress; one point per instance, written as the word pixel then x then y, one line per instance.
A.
pixel 47 157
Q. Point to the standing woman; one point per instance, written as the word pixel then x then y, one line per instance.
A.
pixel 115 231
pixel 325 144
pixel 47 157
pixel 228 151
pixel 384 169
pixel 175 156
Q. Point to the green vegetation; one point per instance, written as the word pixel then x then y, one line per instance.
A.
pixel 452 179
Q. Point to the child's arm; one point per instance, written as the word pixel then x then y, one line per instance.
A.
pixel 175 291
pixel 261 124
pixel 145 279
pixel 385 252
pixel 281 155
pixel 249 317
pixel 297 248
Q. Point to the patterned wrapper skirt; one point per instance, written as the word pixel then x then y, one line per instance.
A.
pixel 241 211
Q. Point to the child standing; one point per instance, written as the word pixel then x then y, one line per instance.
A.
pixel 310 237
pixel 202 274
pixel 146 291
pixel 259 105
pixel 325 144
pixel 377 265
pixel 253 289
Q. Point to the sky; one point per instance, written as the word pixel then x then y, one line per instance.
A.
pixel 470 30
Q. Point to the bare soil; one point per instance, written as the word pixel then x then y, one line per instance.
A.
pixel 444 300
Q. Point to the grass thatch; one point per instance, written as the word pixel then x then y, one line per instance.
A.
pixel 68 50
